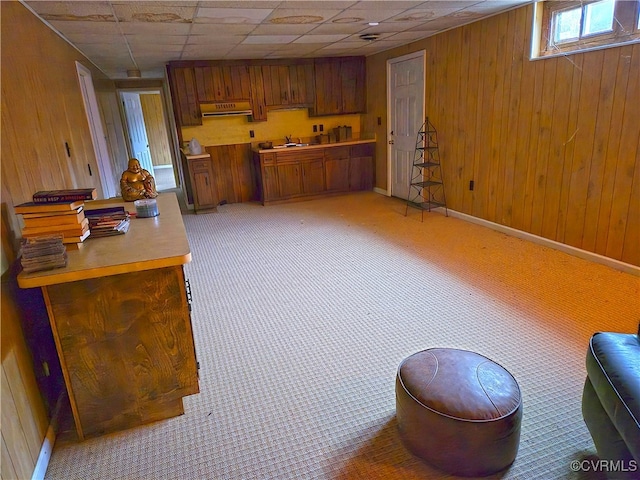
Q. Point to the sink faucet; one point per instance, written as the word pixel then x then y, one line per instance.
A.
pixel 288 139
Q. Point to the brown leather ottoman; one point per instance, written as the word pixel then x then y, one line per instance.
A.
pixel 459 411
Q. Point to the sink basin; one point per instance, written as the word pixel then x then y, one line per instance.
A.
pixel 289 145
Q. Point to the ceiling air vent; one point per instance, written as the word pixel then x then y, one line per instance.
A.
pixel 369 37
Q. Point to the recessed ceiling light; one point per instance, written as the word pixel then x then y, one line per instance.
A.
pixel 369 36
pixel 374 24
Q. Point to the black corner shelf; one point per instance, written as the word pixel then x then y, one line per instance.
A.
pixel 426 190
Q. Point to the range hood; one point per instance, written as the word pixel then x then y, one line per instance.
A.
pixel 220 109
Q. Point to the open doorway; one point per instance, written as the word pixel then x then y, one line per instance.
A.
pixel 147 134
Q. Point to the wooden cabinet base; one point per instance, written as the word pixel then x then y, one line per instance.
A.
pixel 126 348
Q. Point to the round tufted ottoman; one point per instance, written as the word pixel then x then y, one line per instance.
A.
pixel 459 411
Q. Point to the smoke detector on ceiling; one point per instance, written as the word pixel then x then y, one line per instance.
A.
pixel 369 37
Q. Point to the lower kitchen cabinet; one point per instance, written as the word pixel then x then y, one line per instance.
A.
pixel 298 173
pixel 202 181
pixel 336 162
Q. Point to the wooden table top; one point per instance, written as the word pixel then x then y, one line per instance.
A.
pixel 150 243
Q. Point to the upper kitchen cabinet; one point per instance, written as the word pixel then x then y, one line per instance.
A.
pixel 185 98
pixel 287 84
pixel 258 103
pixel 222 83
pixel 339 86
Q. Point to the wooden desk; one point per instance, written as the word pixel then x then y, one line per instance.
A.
pixel 121 322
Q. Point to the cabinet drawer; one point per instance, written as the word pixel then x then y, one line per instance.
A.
pixel 268 158
pixel 200 165
pixel 336 153
pixel 298 156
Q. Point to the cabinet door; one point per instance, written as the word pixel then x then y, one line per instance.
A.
pixel 353 77
pixel 289 179
pixel 210 84
pixel 328 87
pixel 302 83
pixel 186 107
pixel 313 176
pixel 360 173
pixel 270 183
pixel 336 160
pixel 236 82
pixel 203 185
pixel 258 102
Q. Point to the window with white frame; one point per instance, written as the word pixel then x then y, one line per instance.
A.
pixel 570 26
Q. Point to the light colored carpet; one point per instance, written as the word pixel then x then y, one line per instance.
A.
pixel 302 313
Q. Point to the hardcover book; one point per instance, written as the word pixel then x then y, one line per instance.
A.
pixel 50 220
pixel 31 207
pixel 69 195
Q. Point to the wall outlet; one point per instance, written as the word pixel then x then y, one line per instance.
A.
pixel 315 128
pixel 379 120
pixel 471 184
pixel 252 133
pixel 321 127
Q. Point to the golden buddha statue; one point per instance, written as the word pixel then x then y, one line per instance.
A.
pixel 137 183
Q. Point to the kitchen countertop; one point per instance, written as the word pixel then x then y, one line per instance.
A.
pixel 312 146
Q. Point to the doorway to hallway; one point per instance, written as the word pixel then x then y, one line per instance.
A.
pixel 147 134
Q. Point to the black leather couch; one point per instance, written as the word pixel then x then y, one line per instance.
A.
pixel 611 401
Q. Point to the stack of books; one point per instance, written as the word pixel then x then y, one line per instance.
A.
pixel 43 253
pixel 57 212
pixel 105 222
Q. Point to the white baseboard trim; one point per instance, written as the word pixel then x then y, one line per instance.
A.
pixel 577 252
pixel 49 441
pixel 45 454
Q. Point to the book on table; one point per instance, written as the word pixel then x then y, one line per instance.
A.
pixel 32 207
pixel 40 220
pixel 66 195
pixel 65 229
pixel 104 222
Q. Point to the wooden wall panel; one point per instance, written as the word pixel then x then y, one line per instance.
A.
pixel 42 108
pixel 24 418
pixel 551 144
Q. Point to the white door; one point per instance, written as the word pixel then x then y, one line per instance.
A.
pixel 137 130
pixel 406 115
pixel 96 128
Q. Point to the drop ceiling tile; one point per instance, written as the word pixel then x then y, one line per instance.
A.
pixel 368 14
pixel 222 28
pixel 320 38
pixel 105 28
pixel 155 28
pixel 275 29
pixel 215 40
pixel 82 39
pixel 207 52
pixel 150 12
pixel 156 40
pixel 336 29
pixel 73 11
pixel 269 39
pixel 328 4
pixel 232 15
pixel 408 36
pixel 304 15
pixel 244 4
pixel 139 50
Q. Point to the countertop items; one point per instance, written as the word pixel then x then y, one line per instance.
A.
pixel 311 146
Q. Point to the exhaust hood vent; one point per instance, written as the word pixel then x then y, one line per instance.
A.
pixel 221 109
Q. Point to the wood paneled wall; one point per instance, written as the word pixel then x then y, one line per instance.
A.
pixel 42 109
pixel 553 145
pixel 24 417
